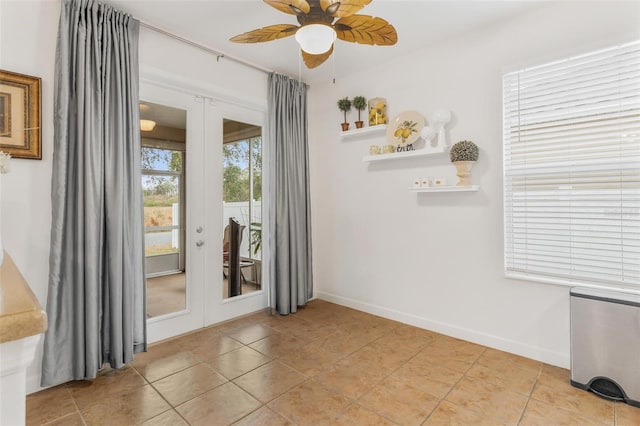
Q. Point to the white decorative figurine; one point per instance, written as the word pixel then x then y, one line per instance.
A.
pixel 440 119
pixel 428 134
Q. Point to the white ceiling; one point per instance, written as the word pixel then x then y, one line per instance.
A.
pixel 419 23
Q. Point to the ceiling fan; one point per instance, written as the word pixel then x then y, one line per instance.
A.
pixel 319 28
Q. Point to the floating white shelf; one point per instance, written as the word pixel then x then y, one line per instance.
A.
pixel 371 130
pixel 396 155
pixel 471 188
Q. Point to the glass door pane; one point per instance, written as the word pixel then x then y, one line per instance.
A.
pixel 242 194
pixel 162 183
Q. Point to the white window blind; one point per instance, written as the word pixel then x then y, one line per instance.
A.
pixel 572 169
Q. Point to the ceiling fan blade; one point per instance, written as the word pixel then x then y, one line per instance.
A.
pixel 365 29
pixel 312 61
pixel 292 7
pixel 272 32
pixel 343 8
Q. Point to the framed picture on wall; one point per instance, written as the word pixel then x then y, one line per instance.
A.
pixel 20 119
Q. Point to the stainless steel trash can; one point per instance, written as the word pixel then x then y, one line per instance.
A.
pixel 605 343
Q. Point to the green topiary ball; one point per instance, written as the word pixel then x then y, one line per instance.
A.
pixel 464 151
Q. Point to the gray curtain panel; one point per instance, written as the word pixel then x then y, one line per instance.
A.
pixel 96 300
pixel 290 209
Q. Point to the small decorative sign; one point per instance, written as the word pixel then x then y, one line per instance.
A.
pixel 405 148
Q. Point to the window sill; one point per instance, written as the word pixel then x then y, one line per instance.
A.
pixel 565 283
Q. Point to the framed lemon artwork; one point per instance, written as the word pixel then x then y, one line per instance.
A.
pixel 404 129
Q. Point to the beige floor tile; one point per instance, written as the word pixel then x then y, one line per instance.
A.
pixel 74 419
pixel 275 320
pixel 213 330
pixel 399 402
pixel 164 359
pixel 263 417
pixel 129 407
pixel 249 333
pixel 162 349
pixel 627 415
pixel 269 381
pixel 340 343
pixel 49 405
pixel 238 362
pixel 430 378
pixel 110 382
pixel 550 372
pixel 168 418
pixel 310 359
pixel 491 355
pixel 449 414
pixel 391 352
pixel 495 401
pixel 554 388
pixel 310 404
pixel 305 330
pixel 356 414
pixel 220 406
pixel 350 379
pixel 384 359
pixel 325 314
pixel 208 346
pixel 367 328
pixel 277 345
pixel 451 353
pixel 541 414
pixel 261 317
pixel 409 337
pixel 187 384
pixel 510 375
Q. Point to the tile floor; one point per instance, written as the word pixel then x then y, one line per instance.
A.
pixel 325 365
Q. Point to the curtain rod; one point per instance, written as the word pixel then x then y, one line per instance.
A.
pixel 218 54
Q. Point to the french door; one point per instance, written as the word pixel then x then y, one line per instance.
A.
pixel 183 182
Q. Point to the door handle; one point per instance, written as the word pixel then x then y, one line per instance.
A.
pixel 199 243
pixel 199 229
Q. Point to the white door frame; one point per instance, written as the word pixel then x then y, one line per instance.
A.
pixel 192 317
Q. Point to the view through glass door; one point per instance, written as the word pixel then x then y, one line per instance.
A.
pixel 164 197
pixel 242 202
pixel 235 201
pixel 171 166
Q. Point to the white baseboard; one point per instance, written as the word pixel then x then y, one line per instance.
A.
pixel 550 357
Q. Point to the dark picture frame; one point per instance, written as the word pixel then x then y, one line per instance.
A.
pixel 20 119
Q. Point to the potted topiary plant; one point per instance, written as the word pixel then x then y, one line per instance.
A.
pixel 463 155
pixel 344 105
pixel 359 103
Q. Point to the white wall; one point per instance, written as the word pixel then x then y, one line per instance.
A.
pixel 436 260
pixel 28 32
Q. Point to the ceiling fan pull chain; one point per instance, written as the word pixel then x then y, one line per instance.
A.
pixel 333 59
pixel 300 66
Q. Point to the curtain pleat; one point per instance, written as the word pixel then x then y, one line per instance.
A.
pixel 290 206
pixel 96 299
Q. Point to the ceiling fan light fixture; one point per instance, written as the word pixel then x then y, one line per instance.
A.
pixel 315 39
pixel 147 125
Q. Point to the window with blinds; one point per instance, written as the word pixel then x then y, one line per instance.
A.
pixel 572 170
